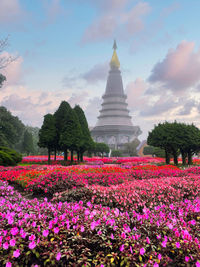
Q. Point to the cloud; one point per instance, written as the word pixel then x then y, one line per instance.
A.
pixel 97 73
pixel 10 11
pixel 53 10
pixel 113 19
pixel 136 94
pixel 13 71
pixel 92 110
pixel 180 69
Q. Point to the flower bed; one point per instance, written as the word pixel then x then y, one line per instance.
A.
pixel 37 233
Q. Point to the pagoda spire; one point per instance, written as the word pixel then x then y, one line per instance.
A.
pixel 114 63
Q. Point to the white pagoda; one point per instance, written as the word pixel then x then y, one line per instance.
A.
pixel 114 126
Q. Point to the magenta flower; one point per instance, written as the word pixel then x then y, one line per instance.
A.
pixel 32 245
pixel 82 228
pixel 178 245
pixel 58 256
pixel 121 248
pixel 8 264
pixel 159 256
pixel 32 237
pixel 142 251
pixel 56 230
pixel 6 245
pixel 45 233
pixel 14 231
pixel 16 253
pixel 197 264
pixel 12 242
pixel 187 258
pixel 156 264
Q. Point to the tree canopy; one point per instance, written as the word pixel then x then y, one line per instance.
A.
pixel 11 128
pixel 47 134
pixel 176 138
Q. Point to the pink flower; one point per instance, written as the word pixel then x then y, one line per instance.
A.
pixel 12 242
pixel 82 228
pixel 187 258
pixel 58 256
pixel 45 233
pixel 32 237
pixel 164 243
pixel 121 248
pixel 197 264
pixel 8 264
pixel 6 245
pixel 156 265
pixel 14 231
pixel 16 253
pixel 148 240
pixel 32 245
pixel 178 245
pixel 142 251
pixel 56 230
pixel 159 256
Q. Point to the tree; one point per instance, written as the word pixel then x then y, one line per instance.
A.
pixel 87 141
pixel 5 60
pixel 131 148
pixel 175 138
pixel 154 151
pixel 11 128
pixel 101 148
pixel 61 115
pixel 2 79
pixel 47 134
pixel 71 134
pixel 27 144
pixel 116 153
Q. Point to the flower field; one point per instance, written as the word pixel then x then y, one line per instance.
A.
pixel 133 213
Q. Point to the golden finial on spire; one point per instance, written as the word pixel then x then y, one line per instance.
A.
pixel 114 63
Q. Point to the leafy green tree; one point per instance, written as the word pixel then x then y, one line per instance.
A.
pixel 2 79
pixel 71 133
pixel 148 150
pixel 27 144
pixel 61 116
pixel 47 134
pixel 175 138
pixel 101 148
pixel 86 141
pixel 116 153
pixel 11 128
pixel 131 148
pixel 154 151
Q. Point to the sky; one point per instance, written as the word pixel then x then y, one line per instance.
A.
pixel 63 48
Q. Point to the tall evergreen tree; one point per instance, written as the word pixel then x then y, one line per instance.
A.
pixel 87 141
pixel 47 134
pixel 61 116
pixel 71 134
pixel 27 144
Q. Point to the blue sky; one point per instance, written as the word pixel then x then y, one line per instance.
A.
pixel 64 48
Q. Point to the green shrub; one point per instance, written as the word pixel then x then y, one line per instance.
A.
pixel 9 157
pixel 116 153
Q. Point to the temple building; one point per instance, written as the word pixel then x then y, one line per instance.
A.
pixel 114 126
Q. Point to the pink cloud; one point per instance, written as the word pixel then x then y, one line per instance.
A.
pixel 10 11
pixel 13 71
pixel 180 69
pixel 116 18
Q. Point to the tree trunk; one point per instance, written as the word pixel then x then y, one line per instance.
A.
pixel 81 156
pixel 183 155
pixel 190 158
pixel 78 156
pixel 49 156
pixel 167 156
pixel 72 155
pixel 65 155
pixel 55 154
pixel 175 157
